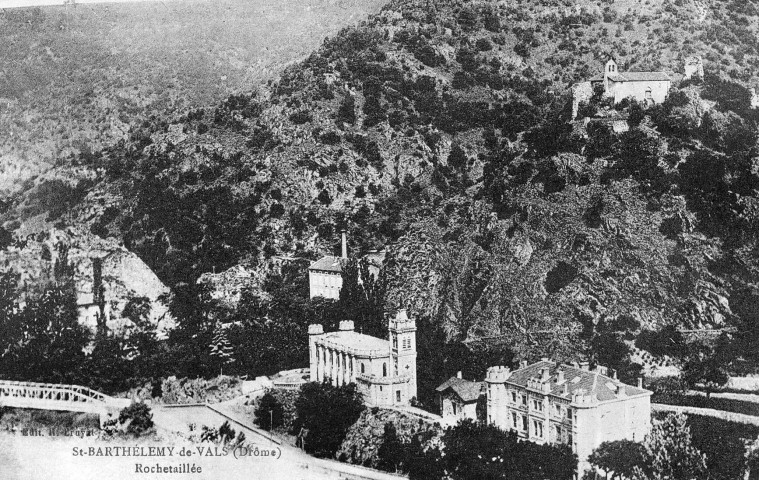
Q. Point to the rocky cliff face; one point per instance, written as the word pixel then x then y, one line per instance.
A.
pixel 106 275
pixel 364 438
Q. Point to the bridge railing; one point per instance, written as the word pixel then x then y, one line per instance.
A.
pixel 51 392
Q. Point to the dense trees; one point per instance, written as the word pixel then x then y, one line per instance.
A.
pixel 269 413
pixel 326 412
pixel 706 366
pixel 42 340
pixel 620 458
pixel 362 298
pixel 475 450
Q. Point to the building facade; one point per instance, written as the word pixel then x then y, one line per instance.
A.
pixel 325 276
pixel 647 87
pixel 567 404
pixel 383 370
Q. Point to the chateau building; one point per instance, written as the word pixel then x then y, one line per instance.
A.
pixel 567 404
pixel 383 370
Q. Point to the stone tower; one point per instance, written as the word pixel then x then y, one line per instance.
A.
pixel 402 332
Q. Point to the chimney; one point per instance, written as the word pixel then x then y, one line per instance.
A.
pixel 640 382
pixel 346 326
pixel 458 374
pixel 544 374
pixel 560 377
pixel 345 245
pixel 615 375
pixel 565 389
pixel 585 365
pixel 523 364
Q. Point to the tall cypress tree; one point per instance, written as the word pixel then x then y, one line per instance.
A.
pixel 221 348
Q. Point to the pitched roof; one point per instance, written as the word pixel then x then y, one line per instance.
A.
pixel 328 264
pixel 466 390
pixel 634 77
pixel 358 342
pixel 578 381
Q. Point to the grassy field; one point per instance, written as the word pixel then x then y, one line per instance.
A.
pixel 75 78
pixel 726 404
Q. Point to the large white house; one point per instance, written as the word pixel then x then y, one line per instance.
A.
pixel 383 370
pixel 567 404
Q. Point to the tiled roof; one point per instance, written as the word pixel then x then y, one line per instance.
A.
pixel 634 77
pixel 466 390
pixel 328 264
pixel 355 341
pixel 578 380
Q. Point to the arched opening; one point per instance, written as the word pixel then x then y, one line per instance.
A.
pixel 384 369
pixel 362 368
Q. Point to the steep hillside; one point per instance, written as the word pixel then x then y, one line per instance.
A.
pixel 74 79
pixel 440 129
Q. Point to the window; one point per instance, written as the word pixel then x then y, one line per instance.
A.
pixel 537 405
pixel 558 409
pixel 558 433
pixel 362 368
pixel 513 419
pixel 524 400
pixel 398 399
pixel 384 369
pixel 490 419
pixel 395 342
pixel 395 366
pixel 524 423
pixel 514 397
pixel 407 343
pixel 537 428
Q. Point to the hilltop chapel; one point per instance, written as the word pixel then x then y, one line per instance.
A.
pixel 647 87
